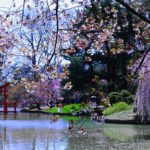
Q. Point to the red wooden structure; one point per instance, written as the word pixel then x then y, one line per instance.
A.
pixel 6 103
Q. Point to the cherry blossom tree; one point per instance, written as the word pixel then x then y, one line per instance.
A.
pixel 7 41
pixel 36 94
pixel 40 32
pixel 107 32
pixel 48 91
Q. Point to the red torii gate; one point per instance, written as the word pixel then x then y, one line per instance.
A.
pixel 6 103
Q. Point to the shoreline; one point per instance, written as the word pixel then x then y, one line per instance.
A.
pixel 107 120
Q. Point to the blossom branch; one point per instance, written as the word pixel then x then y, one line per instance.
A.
pixel 133 11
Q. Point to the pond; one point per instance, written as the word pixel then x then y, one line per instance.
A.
pixel 26 131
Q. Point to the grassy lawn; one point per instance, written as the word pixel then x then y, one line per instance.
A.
pixel 117 107
pixel 66 109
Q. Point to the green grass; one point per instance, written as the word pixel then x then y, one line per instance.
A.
pixel 117 107
pixel 66 109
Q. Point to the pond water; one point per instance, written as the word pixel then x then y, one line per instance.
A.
pixel 26 131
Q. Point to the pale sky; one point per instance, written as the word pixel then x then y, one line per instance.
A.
pixel 8 3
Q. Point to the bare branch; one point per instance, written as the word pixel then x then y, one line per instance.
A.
pixel 24 1
pixel 38 45
pixel 57 30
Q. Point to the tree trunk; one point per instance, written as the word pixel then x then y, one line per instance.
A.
pixel 143 92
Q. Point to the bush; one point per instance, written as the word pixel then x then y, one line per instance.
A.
pixel 102 85
pixel 130 99
pixel 115 97
pixel 121 106
pixel 125 93
pixel 124 96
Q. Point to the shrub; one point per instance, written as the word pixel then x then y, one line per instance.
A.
pixel 102 85
pixel 125 93
pixel 115 97
pixel 130 99
pixel 124 96
pixel 121 106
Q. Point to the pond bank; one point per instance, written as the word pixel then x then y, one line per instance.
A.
pixel 61 114
pixel 124 117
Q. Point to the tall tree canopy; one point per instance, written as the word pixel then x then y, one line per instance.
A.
pixel 107 32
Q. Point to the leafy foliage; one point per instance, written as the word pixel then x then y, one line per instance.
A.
pixel 120 106
pixel 79 77
pixel 124 96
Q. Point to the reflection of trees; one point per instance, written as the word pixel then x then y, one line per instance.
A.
pixel 127 133
pixel 41 134
pixel 119 133
pixel 142 138
pixel 1 142
pixel 93 139
pixel 34 143
pixel 143 133
pixel 35 138
pixel 31 133
pixel 1 145
pixel 45 139
pixel 6 116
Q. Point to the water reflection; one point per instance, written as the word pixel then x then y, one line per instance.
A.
pixel 28 134
pixel 60 124
pixel 24 131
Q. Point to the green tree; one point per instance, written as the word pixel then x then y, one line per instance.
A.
pixel 79 74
